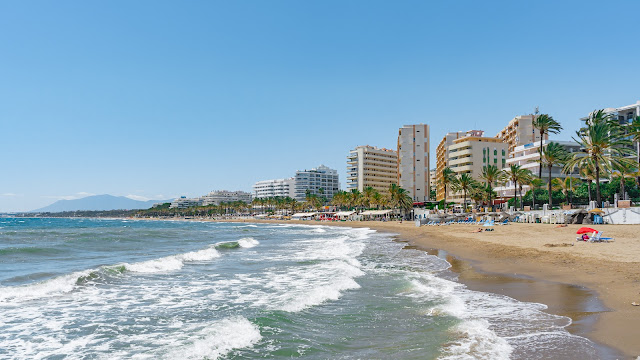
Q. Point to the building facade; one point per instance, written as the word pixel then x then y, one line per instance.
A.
pixel 217 196
pixel 183 202
pixel 371 166
pixel 520 131
pixel 528 157
pixel 442 159
pixel 320 181
pixel 470 154
pixel 274 188
pixel 413 161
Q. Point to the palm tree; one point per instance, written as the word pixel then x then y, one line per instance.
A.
pixel 399 198
pixel 518 175
pixel 604 146
pixel 554 154
pixel 534 184
pixel 367 196
pixel 622 172
pixel 355 198
pixel 448 177
pixel 566 185
pixel 587 172
pixel 546 125
pixel 491 174
pixel 465 183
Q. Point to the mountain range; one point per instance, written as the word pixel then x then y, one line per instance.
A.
pixel 99 202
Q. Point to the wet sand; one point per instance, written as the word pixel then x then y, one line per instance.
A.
pixel 592 283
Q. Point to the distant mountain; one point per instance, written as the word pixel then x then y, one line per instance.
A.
pixel 99 202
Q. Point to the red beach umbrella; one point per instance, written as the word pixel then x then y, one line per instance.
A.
pixel 583 230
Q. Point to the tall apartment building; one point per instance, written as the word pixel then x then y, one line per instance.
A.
pixel 413 161
pixel 442 159
pixel 371 166
pixel 520 131
pixel 315 179
pixel 471 154
pixel 274 188
pixel 217 196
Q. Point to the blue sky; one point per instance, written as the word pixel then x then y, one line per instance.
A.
pixel 154 99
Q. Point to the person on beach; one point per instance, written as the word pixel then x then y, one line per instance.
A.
pixel 478 230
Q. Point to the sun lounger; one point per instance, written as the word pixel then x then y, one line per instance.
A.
pixel 597 237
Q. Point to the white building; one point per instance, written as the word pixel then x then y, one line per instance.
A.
pixel 321 181
pixel 528 156
pixel 183 202
pixel 273 188
pixel 624 114
pixel 371 166
pixel 217 196
pixel 413 161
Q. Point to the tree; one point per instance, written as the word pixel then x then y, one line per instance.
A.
pixel 491 174
pixel 465 183
pixel 518 175
pixel 634 131
pixel 367 196
pixel 554 154
pixel 603 145
pixel 534 184
pixel 545 125
pixel 567 185
pixel 399 198
pixel 448 177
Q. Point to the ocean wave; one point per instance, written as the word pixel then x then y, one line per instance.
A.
pixel 69 282
pixel 477 341
pixel 218 339
pixel 247 242
pixel 173 262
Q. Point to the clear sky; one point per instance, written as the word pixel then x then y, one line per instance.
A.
pixel 154 99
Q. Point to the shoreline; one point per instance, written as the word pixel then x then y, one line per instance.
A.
pixel 568 271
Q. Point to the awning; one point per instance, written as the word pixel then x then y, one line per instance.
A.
pixel 304 214
pixel 376 212
pixel 345 213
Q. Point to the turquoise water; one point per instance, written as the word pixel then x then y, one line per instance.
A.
pixel 120 289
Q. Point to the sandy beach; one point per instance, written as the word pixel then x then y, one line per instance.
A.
pixel 564 269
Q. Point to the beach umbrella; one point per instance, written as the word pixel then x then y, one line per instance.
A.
pixel 583 230
pixel 597 211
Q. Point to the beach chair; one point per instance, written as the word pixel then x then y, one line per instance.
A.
pixel 505 222
pixel 597 237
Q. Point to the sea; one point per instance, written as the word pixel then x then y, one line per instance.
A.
pixel 141 289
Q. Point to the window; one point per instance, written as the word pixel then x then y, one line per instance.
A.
pixel 503 152
pixel 495 152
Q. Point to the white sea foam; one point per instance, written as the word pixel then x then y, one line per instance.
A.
pixel 476 341
pixel 52 287
pixel 218 339
pixel 173 262
pixel 248 242
pixel 69 282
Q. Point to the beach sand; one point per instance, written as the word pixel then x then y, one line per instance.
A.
pixel 550 266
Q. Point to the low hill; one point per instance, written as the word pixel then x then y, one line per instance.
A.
pixel 98 203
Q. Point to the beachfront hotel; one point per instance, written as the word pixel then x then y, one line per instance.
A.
pixel 371 166
pixel 413 161
pixel 528 157
pixel 218 196
pixel 470 154
pixel 520 131
pixel 442 158
pixel 273 188
pixel 320 181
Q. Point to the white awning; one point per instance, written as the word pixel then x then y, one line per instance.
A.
pixel 303 214
pixel 345 213
pixel 376 212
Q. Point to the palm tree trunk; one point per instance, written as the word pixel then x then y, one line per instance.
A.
pixel 540 167
pixel 549 188
pixel 464 201
pixel 515 195
pixel 621 187
pixel 533 198
pixel 598 195
pixel 589 189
